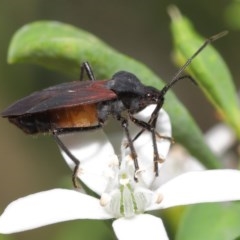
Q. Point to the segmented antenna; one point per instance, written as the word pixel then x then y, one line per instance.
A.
pixel 177 77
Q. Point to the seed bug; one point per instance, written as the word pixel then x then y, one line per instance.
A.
pixel 86 105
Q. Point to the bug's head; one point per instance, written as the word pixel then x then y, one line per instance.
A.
pixel 155 96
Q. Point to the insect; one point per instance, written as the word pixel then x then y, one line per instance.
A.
pixel 86 105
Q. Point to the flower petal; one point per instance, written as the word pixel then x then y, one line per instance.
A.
pixel 178 162
pixel 143 226
pixel 95 154
pixel 48 207
pixel 199 187
pixel 220 138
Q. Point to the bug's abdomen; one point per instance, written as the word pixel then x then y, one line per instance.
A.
pixel 74 117
pixel 82 116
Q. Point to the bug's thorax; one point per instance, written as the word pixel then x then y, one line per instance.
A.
pixel 131 92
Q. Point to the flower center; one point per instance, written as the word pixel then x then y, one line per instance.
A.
pixel 128 199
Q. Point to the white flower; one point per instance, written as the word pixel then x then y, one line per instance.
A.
pixel 121 197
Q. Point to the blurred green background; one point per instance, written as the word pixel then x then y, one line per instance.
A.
pixel 137 28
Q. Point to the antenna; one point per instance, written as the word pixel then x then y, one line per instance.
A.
pixel 177 77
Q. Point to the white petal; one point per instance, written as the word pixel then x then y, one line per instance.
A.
pixel 199 187
pixel 95 154
pixel 220 138
pixel 143 226
pixel 144 145
pixel 49 207
pixel 178 162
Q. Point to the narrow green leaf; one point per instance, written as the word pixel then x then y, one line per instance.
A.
pixel 63 48
pixel 212 221
pixel 208 69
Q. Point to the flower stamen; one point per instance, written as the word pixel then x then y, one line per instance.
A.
pixel 159 198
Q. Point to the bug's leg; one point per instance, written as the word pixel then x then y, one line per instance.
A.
pixel 151 122
pixel 151 128
pixel 85 67
pixel 71 156
pixel 124 123
pixel 148 127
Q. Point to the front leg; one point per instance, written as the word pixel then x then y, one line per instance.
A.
pixel 124 123
pixel 151 128
pixel 151 122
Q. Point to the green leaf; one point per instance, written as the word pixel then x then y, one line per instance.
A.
pixel 212 221
pixel 208 69
pixel 6 237
pixel 85 229
pixel 63 48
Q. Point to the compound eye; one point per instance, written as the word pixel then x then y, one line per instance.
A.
pixel 150 98
pixel 148 95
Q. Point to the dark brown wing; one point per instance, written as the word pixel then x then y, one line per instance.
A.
pixel 61 96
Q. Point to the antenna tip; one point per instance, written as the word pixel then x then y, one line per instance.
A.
pixel 219 35
pixel 174 12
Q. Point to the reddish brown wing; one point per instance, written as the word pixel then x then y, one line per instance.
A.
pixel 61 96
